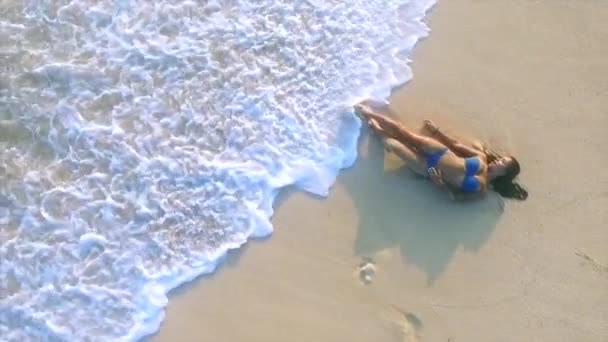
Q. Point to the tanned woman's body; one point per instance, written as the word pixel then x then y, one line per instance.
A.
pixel 462 170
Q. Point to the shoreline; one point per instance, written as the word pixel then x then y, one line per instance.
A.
pixel 444 271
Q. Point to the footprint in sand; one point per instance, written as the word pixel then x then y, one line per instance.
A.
pixel 367 270
pixel 409 325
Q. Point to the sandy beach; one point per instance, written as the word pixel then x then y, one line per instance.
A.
pixel 529 77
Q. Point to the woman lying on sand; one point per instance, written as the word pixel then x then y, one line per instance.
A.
pixel 465 172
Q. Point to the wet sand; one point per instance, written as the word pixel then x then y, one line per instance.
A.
pixel 529 77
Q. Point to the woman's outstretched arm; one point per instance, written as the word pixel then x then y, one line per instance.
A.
pixel 457 147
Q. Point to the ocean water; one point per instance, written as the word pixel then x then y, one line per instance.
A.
pixel 141 140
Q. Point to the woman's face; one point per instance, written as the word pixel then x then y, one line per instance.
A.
pixel 498 167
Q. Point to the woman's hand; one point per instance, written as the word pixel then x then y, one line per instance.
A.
pixel 435 176
pixel 430 126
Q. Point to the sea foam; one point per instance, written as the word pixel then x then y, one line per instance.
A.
pixel 142 140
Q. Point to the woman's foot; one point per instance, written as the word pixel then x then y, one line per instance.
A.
pixel 375 126
pixel 362 110
pixel 381 134
pixel 371 107
pixel 365 112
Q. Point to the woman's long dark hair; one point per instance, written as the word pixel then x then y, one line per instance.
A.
pixel 505 185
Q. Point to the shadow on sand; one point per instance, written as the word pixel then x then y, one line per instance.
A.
pixel 400 209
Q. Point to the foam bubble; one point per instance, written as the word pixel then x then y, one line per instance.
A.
pixel 149 138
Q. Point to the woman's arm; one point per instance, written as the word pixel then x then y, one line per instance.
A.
pixel 454 193
pixel 457 147
pixel 437 179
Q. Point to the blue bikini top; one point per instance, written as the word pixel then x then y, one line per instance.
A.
pixel 471 167
pixel 470 182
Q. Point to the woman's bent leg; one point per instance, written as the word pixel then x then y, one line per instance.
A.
pixel 414 161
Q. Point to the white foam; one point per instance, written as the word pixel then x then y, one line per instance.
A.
pixel 152 137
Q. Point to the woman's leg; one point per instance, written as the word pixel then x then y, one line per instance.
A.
pixel 414 161
pixel 398 131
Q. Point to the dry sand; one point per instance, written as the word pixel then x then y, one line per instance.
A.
pixel 529 76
